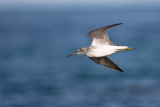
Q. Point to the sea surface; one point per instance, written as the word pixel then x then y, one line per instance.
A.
pixel 35 72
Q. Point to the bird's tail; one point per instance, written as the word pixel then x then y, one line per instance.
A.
pixel 124 48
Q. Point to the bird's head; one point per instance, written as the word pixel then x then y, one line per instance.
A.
pixel 81 51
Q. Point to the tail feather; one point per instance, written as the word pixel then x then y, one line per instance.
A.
pixel 125 48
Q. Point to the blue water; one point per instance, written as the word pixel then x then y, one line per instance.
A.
pixel 34 71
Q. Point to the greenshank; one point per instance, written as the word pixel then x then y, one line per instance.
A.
pixel 101 47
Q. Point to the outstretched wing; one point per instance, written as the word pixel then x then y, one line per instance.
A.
pixel 106 62
pixel 100 37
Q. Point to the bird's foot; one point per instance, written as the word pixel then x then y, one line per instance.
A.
pixel 130 48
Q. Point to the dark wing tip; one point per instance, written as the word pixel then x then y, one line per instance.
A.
pixel 120 70
pixel 119 23
pixel 116 69
pixel 109 26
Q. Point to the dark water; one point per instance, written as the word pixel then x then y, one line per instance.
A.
pixel 34 71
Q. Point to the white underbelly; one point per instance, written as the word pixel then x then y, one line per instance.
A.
pixel 102 51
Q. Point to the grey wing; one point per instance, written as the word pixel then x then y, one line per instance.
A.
pixel 100 37
pixel 106 62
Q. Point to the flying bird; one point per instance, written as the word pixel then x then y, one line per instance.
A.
pixel 101 47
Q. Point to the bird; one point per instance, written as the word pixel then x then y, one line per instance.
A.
pixel 101 47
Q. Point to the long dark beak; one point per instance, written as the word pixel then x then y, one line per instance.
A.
pixel 72 54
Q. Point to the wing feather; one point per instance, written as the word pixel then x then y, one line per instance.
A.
pixel 100 37
pixel 106 62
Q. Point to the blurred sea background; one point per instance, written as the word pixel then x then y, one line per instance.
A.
pixel 35 38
